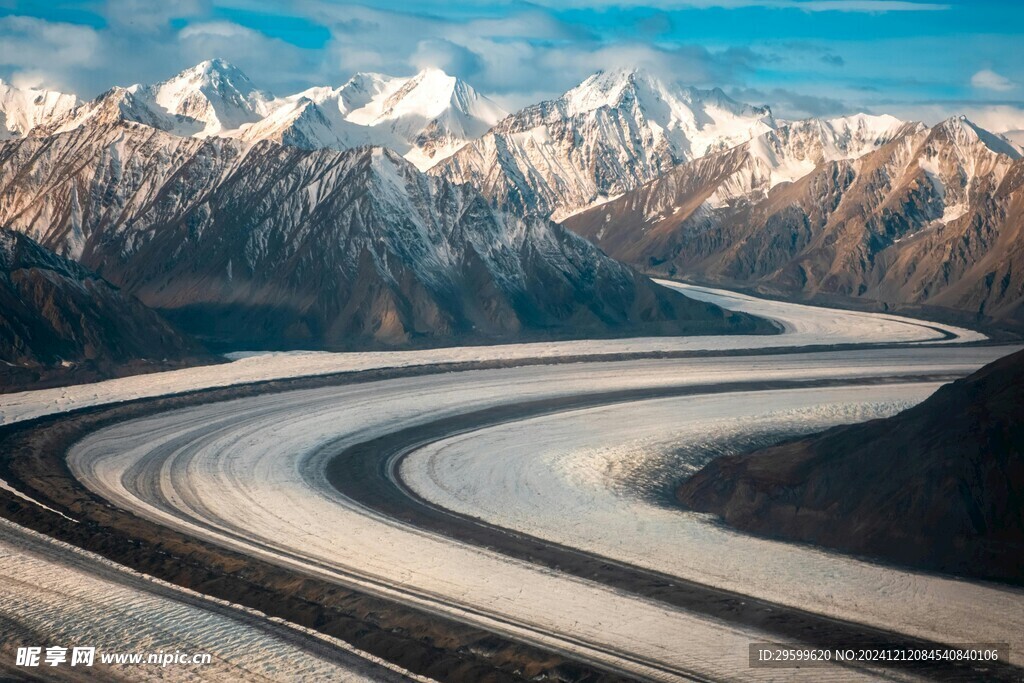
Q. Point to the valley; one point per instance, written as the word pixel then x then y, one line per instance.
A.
pixel 202 471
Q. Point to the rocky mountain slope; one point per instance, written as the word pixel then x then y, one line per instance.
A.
pixel 270 246
pixel 612 133
pixel 57 319
pixel 939 486
pixel 901 214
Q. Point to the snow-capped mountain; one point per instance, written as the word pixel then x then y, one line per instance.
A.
pixel 612 133
pixel 927 216
pixel 692 122
pixel 666 177
pixel 426 118
pixel 23 109
pixel 263 244
pixel 312 119
pixel 213 93
pixel 796 148
pixel 211 98
pixel 432 115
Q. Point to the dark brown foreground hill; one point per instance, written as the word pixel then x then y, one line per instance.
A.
pixel 61 323
pixel 939 486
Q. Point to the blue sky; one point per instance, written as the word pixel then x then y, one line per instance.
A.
pixel 915 59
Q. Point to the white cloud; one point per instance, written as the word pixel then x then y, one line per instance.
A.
pixel 28 38
pixel 987 79
pixel 509 59
pixel 998 118
pixel 216 29
pixel 792 105
pixel 271 63
pixel 36 51
pixel 447 56
pixel 87 61
pixel 146 16
pixel 1016 137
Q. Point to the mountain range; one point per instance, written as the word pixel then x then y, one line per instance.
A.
pixel 426 117
pixel 414 210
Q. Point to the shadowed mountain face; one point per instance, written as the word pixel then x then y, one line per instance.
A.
pixel 939 486
pixel 56 316
pixel 930 217
pixel 269 246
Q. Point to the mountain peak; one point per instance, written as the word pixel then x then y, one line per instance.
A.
pixel 552 157
pixel 431 87
pixel 215 94
pixel 365 79
pixel 619 74
pixel 392 171
pixel 210 98
pixel 961 129
pixel 433 71
pixel 956 122
pixel 607 88
pixel 616 87
pixel 216 64
pixel 867 126
pixel 212 69
pixel 216 73
pixel 429 94
pixel 959 123
pixel 426 117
